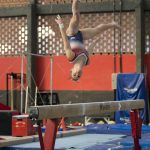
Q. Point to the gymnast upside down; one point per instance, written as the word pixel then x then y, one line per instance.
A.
pixel 73 40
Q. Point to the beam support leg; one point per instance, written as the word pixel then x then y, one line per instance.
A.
pixel 50 134
pixel 136 124
pixel 40 137
pixel 62 124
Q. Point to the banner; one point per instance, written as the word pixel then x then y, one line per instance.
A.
pixel 131 86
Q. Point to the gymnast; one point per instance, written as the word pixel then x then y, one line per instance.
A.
pixel 74 37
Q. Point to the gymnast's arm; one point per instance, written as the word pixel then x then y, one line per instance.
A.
pixel 62 31
pixel 69 53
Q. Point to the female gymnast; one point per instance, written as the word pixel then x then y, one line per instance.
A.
pixel 73 40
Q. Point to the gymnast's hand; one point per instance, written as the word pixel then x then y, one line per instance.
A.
pixel 59 22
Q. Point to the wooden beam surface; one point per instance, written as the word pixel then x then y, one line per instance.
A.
pixel 83 109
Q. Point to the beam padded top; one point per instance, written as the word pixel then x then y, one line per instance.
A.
pixel 83 109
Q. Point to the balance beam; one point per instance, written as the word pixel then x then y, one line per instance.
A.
pixel 82 109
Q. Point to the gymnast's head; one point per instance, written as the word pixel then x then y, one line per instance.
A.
pixel 76 73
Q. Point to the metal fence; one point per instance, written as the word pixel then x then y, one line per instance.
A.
pixel 14 30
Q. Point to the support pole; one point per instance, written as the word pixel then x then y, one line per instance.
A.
pixel 51 80
pixel 120 38
pixel 7 90
pixel 32 48
pixel 26 101
pixel 140 36
pixel 35 100
pixel 114 7
pixel 12 91
pixel 22 84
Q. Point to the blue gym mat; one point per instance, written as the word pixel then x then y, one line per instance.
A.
pixel 114 129
pixel 98 137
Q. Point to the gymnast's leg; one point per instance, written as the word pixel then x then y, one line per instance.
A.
pixel 74 22
pixel 89 33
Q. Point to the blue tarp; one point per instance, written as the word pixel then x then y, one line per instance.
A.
pixel 131 86
pixel 114 129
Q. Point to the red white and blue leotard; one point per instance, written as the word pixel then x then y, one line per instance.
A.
pixel 76 43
